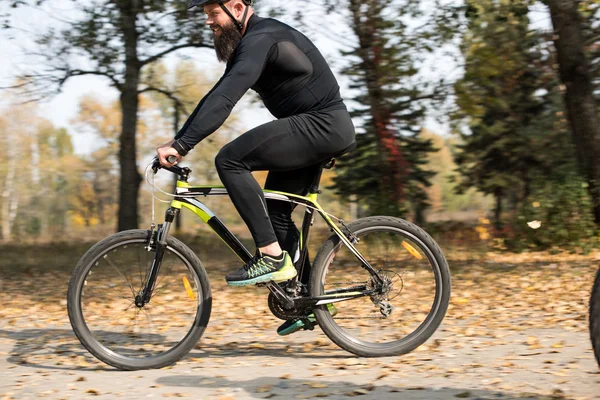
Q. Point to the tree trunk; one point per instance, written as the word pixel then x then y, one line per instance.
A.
pixel 130 177
pixel 498 209
pixel 10 199
pixel 575 75
pixel 418 212
pixel 7 199
pixel 390 158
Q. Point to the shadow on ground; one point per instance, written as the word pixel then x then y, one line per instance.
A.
pixel 60 349
pixel 268 387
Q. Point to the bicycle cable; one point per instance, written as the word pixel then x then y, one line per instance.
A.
pixel 154 197
pixel 349 232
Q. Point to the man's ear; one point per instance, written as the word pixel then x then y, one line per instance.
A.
pixel 239 8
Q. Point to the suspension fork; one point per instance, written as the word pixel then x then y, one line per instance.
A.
pixel 161 246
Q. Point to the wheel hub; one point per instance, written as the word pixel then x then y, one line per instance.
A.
pixel 139 302
pixel 381 291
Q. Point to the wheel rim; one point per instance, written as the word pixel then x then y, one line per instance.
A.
pixel 107 302
pixel 416 294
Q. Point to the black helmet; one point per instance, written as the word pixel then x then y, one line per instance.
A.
pixel 202 3
pixel 239 24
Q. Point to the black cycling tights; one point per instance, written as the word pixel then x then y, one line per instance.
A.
pixel 291 149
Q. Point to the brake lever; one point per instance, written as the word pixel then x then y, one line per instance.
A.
pixel 156 165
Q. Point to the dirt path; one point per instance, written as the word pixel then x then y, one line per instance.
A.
pixel 515 329
pixel 49 362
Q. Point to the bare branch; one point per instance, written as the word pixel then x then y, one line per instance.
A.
pixel 172 49
pixel 166 93
pixel 78 72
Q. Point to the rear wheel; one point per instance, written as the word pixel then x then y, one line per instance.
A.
pixel 103 312
pixel 408 312
pixel 595 317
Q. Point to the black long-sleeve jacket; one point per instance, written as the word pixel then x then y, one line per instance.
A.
pixel 281 65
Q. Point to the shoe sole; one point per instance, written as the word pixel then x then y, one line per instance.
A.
pixel 285 274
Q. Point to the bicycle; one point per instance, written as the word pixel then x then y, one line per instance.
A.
pixel 594 317
pixel 147 277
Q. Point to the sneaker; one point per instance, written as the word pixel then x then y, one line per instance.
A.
pixel 294 325
pixel 263 269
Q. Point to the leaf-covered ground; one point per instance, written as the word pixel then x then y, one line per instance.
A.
pixel 516 328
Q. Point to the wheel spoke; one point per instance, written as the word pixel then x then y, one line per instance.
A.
pixel 124 330
pixel 380 322
pixel 120 273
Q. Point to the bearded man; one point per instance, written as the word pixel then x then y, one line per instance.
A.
pixel 313 124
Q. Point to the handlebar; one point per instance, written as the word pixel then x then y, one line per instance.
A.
pixel 183 173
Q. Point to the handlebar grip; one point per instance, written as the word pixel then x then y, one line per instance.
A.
pixel 171 159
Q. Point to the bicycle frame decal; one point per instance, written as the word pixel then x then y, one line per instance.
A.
pixel 195 206
pixel 186 198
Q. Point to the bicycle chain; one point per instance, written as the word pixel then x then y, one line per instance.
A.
pixel 285 315
pixel 278 311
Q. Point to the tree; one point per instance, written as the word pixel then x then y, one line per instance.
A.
pixel 576 76
pixel 10 200
pixel 19 129
pixel 182 89
pixel 386 171
pixel 57 175
pixel 115 39
pixel 186 84
pixel 94 201
pixel 504 92
pixel 36 177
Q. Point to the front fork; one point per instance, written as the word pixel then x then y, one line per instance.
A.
pixel 159 242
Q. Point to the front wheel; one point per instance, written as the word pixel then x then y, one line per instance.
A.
pixel 417 291
pixel 595 317
pixel 103 311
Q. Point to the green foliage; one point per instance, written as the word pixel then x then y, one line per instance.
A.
pixel 563 207
pixel 508 104
pixel 36 187
pixel 386 171
pixel 361 173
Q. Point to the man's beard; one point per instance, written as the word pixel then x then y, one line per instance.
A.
pixel 227 41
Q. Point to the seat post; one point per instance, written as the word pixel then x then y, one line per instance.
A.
pixel 314 187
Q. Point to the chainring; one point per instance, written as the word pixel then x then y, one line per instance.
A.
pixel 281 313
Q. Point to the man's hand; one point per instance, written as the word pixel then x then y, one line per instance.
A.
pixel 165 151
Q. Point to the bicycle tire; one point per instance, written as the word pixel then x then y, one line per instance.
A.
pixel 435 316
pixel 594 317
pixel 110 357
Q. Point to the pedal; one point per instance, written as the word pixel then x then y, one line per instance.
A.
pixel 308 324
